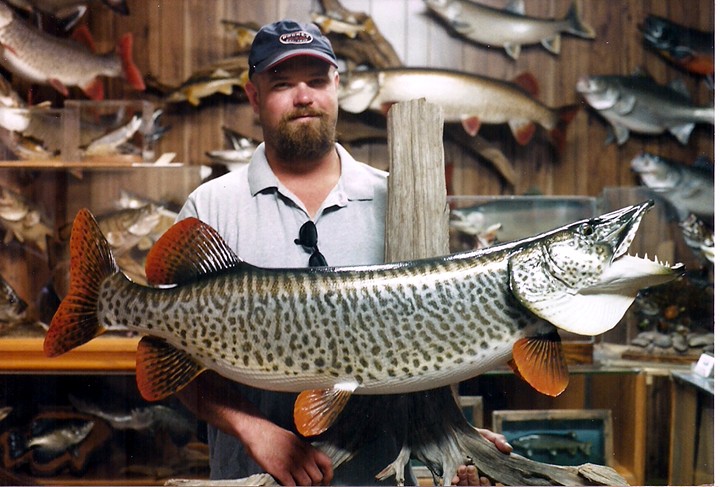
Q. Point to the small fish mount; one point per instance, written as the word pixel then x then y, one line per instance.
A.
pixel 54 442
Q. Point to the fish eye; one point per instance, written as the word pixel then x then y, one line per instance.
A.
pixel 586 230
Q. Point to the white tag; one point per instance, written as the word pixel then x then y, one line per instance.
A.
pixel 704 366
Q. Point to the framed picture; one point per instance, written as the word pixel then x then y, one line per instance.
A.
pixel 560 436
pixel 472 408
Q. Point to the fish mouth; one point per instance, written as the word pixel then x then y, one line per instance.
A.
pixel 618 228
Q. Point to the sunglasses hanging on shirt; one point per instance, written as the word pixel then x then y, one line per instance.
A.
pixel 308 238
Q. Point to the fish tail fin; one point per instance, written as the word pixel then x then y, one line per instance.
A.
pixel 577 25
pixel 131 71
pixel 91 262
pixel 558 134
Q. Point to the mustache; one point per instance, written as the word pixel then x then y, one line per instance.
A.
pixel 304 112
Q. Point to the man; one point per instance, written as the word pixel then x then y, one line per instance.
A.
pixel 298 175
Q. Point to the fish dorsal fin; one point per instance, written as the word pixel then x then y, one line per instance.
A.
pixel 161 369
pixel 187 251
pixel 516 7
pixel 316 410
pixel 541 363
pixel 527 82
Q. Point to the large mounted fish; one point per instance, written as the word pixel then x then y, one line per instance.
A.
pixel 330 332
pixel 41 58
pixel 509 28
pixel 639 104
pixel 469 99
pixel 691 49
pixel 690 189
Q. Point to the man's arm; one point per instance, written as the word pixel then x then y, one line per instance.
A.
pixel 278 451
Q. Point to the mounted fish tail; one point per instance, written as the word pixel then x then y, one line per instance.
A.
pixel 331 332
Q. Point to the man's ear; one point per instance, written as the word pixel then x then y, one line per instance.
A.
pixel 252 94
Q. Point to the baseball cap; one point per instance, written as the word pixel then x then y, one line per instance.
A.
pixel 284 39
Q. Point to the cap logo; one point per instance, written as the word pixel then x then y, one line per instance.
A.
pixel 300 37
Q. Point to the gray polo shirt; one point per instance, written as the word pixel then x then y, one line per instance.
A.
pixel 260 218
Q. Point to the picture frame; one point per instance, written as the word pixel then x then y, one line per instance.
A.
pixel 568 437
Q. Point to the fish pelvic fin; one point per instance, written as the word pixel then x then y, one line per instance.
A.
pixel 131 71
pixel 576 25
pixel 541 363
pixel 316 410
pixel 161 369
pixel 91 262
pixel 189 250
pixel 558 134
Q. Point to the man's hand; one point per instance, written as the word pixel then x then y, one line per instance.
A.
pixel 289 459
pixel 468 474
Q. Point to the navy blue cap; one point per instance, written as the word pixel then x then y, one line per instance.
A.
pixel 284 39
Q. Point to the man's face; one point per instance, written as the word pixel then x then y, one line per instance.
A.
pixel 298 107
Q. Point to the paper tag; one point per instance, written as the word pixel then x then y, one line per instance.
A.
pixel 704 366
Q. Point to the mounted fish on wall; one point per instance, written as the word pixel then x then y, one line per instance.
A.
pixel 509 28
pixel 637 103
pixel 67 12
pixel 38 57
pixel 690 49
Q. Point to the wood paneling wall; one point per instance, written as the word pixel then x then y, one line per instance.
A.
pixel 175 37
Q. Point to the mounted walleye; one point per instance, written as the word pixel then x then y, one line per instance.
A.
pixel 691 49
pixel 41 58
pixel 509 28
pixel 466 98
pixel 637 103
pixel 331 332
pixel 690 189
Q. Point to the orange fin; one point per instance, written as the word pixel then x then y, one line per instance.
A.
pixel 161 369
pixel 83 36
pixel 471 125
pixel 59 86
pixel 558 134
pixel 91 262
pixel 541 363
pixel 317 410
pixel 94 90
pixel 522 130
pixel 528 83
pixel 186 252
pixel 132 73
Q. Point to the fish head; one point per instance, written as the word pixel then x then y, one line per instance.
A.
pixel 655 172
pixel 6 15
pixel 12 307
pixel 12 206
pixel 599 91
pixel 357 91
pixel 578 277
pixel 659 32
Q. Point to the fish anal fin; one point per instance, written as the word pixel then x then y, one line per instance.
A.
pixel 59 86
pixel 161 369
pixel 552 44
pixel 522 130
pixel 558 134
pixel 512 50
pixel 187 251
pixel 471 125
pixel 541 363
pixel 316 410
pixel 94 89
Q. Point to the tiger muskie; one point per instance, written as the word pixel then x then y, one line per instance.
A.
pixel 509 28
pixel 329 332
pixel 466 98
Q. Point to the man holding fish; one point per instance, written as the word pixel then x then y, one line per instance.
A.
pixel 303 200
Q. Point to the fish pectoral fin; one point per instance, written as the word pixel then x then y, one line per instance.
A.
pixel 161 369
pixel 541 363
pixel 622 134
pixel 471 124
pixel 625 104
pixel 552 44
pixel 522 130
pixel 316 410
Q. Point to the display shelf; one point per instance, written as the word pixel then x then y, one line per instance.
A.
pixel 111 354
pixel 115 162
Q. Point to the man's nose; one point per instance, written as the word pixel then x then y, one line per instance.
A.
pixel 303 94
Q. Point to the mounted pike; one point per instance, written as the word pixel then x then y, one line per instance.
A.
pixel 509 28
pixel 465 98
pixel 41 58
pixel 330 332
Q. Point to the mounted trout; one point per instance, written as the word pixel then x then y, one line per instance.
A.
pixel 39 57
pixel 466 98
pixel 330 332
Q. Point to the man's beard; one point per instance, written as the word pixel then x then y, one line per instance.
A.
pixel 304 141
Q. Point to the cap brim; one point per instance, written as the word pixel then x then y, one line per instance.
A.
pixel 295 53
